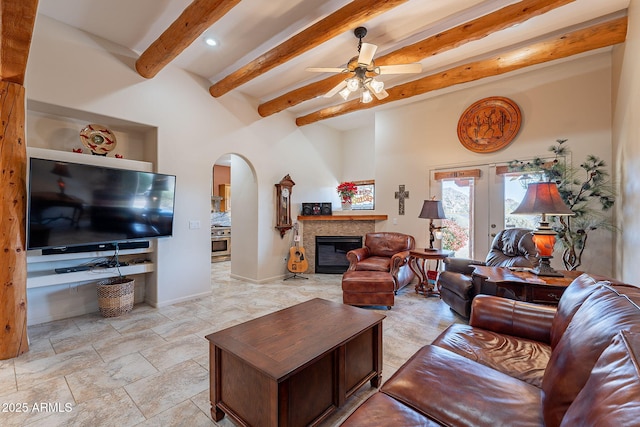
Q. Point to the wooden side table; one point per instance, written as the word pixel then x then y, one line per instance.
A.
pixel 526 286
pixel 418 262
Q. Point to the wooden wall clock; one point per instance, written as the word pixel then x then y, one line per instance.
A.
pixel 489 124
pixel 283 204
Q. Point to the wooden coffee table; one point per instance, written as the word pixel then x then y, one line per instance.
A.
pixel 296 366
pixel 526 286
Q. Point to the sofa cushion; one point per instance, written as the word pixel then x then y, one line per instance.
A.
pixel 380 410
pixel 386 244
pixel 611 396
pixel 607 311
pixel 509 242
pixel 374 263
pixel 513 247
pixel 572 298
pixel 453 390
pixel 517 357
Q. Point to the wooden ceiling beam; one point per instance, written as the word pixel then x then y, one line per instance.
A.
pixel 597 36
pixel 192 22
pixel 469 31
pixel 349 17
pixel 17 20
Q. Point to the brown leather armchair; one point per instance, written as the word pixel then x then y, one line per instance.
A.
pixel 385 251
pixel 512 247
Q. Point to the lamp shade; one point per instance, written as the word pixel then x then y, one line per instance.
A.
pixel 60 169
pixel 432 209
pixel 543 198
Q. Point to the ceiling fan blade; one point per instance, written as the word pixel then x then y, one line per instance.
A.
pixel 337 88
pixel 380 95
pixel 325 70
pixel 400 68
pixel 367 51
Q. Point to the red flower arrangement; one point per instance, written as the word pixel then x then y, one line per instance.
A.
pixel 347 190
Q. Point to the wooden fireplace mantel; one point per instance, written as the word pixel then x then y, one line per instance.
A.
pixel 341 217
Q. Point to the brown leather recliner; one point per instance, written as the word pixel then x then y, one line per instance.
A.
pixel 512 247
pixel 385 251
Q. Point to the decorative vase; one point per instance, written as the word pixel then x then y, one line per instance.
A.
pixel 346 205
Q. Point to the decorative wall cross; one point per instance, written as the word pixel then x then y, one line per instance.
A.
pixel 401 194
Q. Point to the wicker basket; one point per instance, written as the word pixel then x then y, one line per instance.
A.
pixel 115 296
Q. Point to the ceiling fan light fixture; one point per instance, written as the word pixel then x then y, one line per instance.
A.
pixel 361 70
pixel 353 84
pixel 344 93
pixel 377 85
pixel 366 97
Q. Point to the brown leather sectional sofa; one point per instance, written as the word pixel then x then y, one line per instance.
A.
pixel 520 364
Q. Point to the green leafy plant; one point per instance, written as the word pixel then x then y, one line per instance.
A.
pixel 587 191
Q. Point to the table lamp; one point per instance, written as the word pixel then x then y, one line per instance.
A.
pixel 543 198
pixel 432 209
pixel 61 170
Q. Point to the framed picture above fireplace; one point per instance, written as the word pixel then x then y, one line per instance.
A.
pixel 365 196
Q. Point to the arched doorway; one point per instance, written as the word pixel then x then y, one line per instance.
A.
pixel 234 205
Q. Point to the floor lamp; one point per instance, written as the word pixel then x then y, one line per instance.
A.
pixel 432 209
pixel 543 198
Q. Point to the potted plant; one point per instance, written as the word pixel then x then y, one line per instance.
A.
pixel 586 190
pixel 346 190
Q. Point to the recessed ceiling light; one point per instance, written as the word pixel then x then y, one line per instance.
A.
pixel 210 41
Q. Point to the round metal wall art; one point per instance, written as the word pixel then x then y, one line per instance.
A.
pixel 489 124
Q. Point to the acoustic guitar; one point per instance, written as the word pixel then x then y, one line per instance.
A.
pixel 297 259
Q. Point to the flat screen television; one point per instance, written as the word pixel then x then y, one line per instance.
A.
pixel 73 204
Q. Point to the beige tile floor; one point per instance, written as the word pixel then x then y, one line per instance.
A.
pixel 150 367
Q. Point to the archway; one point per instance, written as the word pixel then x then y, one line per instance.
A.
pixel 234 176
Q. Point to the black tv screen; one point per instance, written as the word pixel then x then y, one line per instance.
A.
pixel 71 204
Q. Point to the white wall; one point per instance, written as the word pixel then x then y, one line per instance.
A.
pixel 570 100
pixel 626 137
pixel 359 154
pixel 71 69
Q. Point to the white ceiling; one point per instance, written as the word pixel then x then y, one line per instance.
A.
pixel 255 26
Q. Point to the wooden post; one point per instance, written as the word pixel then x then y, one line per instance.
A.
pixel 13 259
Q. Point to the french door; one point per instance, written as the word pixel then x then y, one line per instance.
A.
pixel 478 202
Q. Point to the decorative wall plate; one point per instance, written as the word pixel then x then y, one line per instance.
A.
pixel 98 139
pixel 489 124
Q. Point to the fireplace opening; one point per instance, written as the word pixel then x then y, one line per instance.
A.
pixel 331 253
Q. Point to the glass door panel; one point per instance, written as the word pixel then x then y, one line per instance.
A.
pixel 515 187
pixel 463 192
pixel 458 204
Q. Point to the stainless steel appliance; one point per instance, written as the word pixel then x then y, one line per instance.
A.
pixel 220 243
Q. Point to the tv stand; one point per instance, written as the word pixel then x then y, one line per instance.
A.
pixel 75 288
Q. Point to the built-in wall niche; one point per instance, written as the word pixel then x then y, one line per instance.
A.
pixel 53 132
pixel 58 128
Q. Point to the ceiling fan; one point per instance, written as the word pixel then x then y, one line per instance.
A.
pixel 361 72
